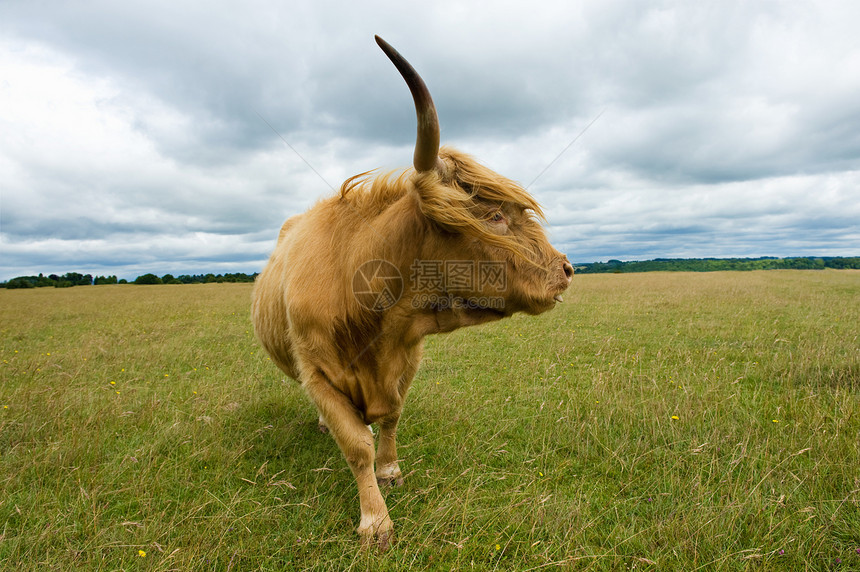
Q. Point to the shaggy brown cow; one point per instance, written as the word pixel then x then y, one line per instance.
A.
pixel 356 282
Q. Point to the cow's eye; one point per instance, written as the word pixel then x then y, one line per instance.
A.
pixel 497 216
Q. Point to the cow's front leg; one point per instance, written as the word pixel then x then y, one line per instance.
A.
pixel 387 468
pixel 356 443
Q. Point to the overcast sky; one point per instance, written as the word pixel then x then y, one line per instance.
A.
pixel 134 135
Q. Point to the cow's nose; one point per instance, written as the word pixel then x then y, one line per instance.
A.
pixel 568 270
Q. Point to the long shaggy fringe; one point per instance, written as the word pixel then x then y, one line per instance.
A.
pixel 450 199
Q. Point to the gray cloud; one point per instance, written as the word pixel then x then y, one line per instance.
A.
pixel 134 136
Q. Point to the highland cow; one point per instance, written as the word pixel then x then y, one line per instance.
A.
pixel 355 284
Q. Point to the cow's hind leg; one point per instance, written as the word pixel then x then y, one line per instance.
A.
pixel 387 467
pixel 356 443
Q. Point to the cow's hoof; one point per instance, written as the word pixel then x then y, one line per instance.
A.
pixel 381 538
pixel 389 476
pixel 385 539
pixel 322 427
pixel 391 481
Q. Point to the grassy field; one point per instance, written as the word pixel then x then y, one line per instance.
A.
pixel 651 422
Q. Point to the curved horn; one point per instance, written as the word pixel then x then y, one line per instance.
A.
pixel 427 141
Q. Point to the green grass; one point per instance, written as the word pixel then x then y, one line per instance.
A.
pixel 651 422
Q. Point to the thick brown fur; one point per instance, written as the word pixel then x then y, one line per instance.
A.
pixel 356 362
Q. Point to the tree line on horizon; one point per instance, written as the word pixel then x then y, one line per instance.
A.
pixel 719 264
pixel 70 279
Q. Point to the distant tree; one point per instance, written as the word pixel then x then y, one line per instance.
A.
pixel 239 277
pixel 104 280
pixel 20 282
pixel 73 277
pixel 148 279
pixel 843 263
pixel 43 281
pixel 77 279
